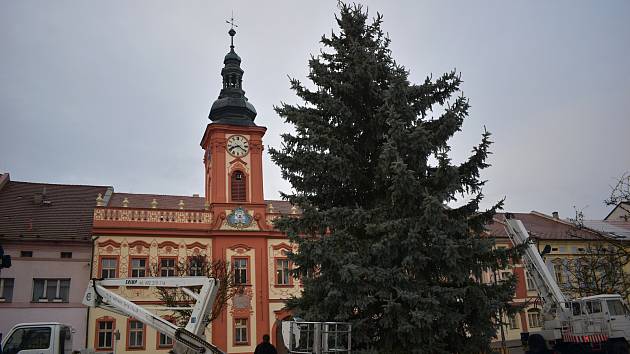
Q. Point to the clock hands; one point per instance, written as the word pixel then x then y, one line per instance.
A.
pixel 237 142
pixel 232 148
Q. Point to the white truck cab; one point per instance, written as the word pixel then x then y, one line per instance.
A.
pixel 38 338
pixel 608 309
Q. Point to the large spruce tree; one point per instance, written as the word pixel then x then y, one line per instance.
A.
pixel 370 169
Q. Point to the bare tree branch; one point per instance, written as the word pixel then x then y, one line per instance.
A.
pixel 598 270
pixel 199 265
pixel 620 193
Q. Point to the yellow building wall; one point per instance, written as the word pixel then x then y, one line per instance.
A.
pixel 249 313
pixel 125 248
pixel 120 325
pixel 277 249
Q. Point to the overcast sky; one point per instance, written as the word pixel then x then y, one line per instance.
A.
pixel 118 92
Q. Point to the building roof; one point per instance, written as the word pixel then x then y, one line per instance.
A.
pixel 618 229
pixel 44 211
pixel 543 227
pixel 624 206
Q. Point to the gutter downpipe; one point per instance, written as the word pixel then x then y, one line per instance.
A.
pixel 87 327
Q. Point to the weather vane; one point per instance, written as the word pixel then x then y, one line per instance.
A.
pixel 232 32
pixel 231 21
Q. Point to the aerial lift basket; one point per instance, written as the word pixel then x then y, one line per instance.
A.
pixel 302 337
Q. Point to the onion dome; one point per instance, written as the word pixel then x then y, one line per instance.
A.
pixel 232 106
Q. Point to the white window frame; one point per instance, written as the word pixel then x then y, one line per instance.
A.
pixel 142 269
pixel 105 331
pixel 243 328
pixel 44 295
pixel 558 272
pixel 3 286
pixel 534 319
pixel 513 321
pixel 195 267
pixel 136 335
pixel 529 279
pixel 109 269
pixel 283 272
pixel 171 270
pixel 164 341
pixel 240 273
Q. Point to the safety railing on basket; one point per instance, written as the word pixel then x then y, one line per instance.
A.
pixel 303 337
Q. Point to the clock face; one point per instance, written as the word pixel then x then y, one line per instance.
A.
pixel 237 145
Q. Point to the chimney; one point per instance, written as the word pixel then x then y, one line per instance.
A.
pixel 196 195
pixel 45 200
pixel 41 198
pixel 4 178
pixel 555 215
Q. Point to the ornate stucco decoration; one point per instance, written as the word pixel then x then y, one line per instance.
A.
pixel 239 218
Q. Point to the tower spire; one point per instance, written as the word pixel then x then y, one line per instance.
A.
pixel 232 106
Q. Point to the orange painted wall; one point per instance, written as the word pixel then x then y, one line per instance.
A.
pixel 220 246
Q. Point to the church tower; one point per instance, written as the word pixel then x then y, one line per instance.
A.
pixel 235 226
pixel 233 144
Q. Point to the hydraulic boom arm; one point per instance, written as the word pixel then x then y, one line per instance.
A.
pixel 189 339
pixel 548 288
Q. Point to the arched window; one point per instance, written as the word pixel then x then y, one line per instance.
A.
pixel 238 187
pixel 533 318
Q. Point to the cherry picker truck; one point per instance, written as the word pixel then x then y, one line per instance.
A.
pixel 56 338
pixel 593 324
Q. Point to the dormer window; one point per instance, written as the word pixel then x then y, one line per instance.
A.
pixel 239 192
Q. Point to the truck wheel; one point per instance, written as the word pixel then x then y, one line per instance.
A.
pixel 536 344
pixel 577 349
pixel 618 348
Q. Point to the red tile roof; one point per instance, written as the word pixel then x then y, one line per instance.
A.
pixel 43 211
pixel 543 227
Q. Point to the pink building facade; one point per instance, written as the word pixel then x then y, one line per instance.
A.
pixel 46 229
pixel 63 278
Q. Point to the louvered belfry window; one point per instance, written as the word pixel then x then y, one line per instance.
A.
pixel 238 187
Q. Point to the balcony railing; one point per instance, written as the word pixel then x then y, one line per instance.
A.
pixel 149 215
